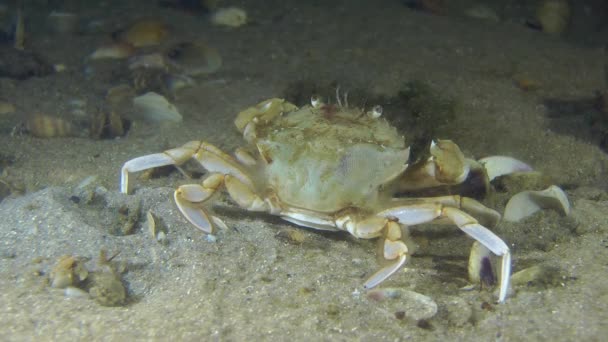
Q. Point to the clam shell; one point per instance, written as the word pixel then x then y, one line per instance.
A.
pixel 113 51
pixel 144 32
pixel 230 17
pixel 155 108
pixel 194 59
pixel 46 126
pixel 527 203
pixel 501 165
pixel 148 61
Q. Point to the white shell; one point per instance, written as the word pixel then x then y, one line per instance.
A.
pixel 230 16
pixel 527 203
pixel 497 166
pixel 155 108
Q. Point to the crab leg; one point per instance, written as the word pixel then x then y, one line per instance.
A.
pixel 394 249
pixel 421 213
pixel 190 197
pixel 208 156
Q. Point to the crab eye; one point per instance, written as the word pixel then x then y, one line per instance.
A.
pixel 376 112
pixel 315 101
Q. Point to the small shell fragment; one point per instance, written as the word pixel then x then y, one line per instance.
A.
pixel 542 275
pixel 230 17
pixel 527 203
pixel 194 58
pixel 501 165
pixel 144 32
pixel 113 51
pixel 155 108
pixel 69 271
pixel 46 126
pixel 156 229
pixel 148 61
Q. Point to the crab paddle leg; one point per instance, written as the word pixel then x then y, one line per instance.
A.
pixel 190 197
pixel 394 249
pixel 412 214
pixel 488 239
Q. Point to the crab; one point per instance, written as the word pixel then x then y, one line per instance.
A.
pixel 333 167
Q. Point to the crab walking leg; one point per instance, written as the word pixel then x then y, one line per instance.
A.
pixel 427 212
pixel 210 157
pixel 142 163
pixel 488 239
pixel 243 195
pixel 488 217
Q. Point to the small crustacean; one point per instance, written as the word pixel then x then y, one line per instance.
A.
pixel 335 172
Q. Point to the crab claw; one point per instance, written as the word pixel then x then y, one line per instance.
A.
pixel 263 111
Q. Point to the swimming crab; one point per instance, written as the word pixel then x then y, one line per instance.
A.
pixel 332 167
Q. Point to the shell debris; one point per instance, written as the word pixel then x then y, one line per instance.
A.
pixel 153 107
pixel 501 165
pixel 194 58
pixel 144 32
pixel 230 17
pixel 119 50
pixel 46 126
pixel 526 203
pixel 156 229
pixel 69 271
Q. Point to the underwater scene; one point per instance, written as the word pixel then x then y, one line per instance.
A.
pixel 338 170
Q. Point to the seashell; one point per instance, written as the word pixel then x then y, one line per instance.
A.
pixel 113 51
pixel 194 59
pixel 63 22
pixel 229 16
pixel 155 108
pixel 542 275
pixel 144 32
pixel 74 292
pixel 46 126
pixel 149 61
pixel 501 165
pixel 176 82
pixel 553 15
pixel 157 231
pixel 527 203
pixel 68 271
pixel 481 265
pixel 119 94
